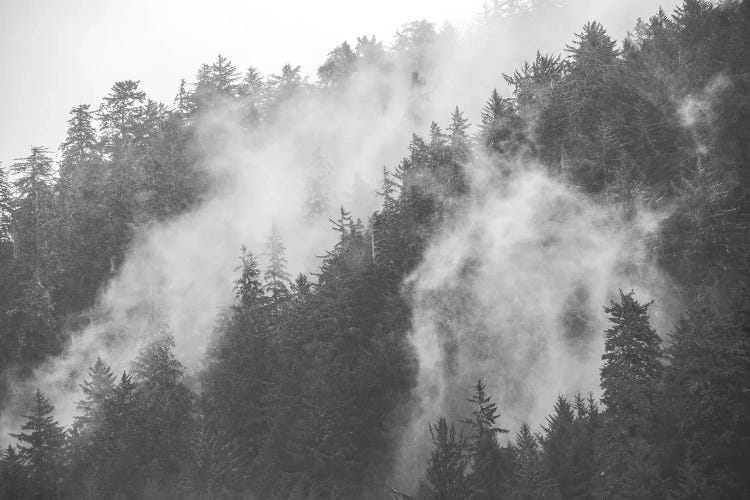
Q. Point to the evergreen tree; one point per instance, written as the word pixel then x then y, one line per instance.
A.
pixel 276 277
pixel 490 465
pixel 318 197
pixel 253 97
pixel 96 391
pixel 41 444
pixel 14 481
pixel 33 218
pixel 530 481
pixel 630 376
pixel 121 114
pixel 338 67
pixel 163 414
pixel 445 476
pixel 6 207
pixel 80 144
pixel 285 85
pixel 706 405
pixel 121 468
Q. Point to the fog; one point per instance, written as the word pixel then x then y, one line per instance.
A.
pixel 535 259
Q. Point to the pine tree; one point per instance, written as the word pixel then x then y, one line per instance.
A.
pixel 121 114
pixel 338 67
pixel 343 226
pixel 248 287
pixel 458 137
pixel 214 468
pixel 445 476
pixel 705 401
pixel 630 376
pixel 530 481
pixel 282 87
pixel 163 414
pixel 217 83
pixel 119 472
pixel 490 467
pixel 80 143
pixel 276 277
pixel 500 125
pixel 14 480
pixel 253 97
pixel 318 196
pixel 96 391
pixel 558 444
pixel 34 179
pixel 6 207
pixel 41 445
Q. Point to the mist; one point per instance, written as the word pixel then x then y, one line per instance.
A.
pixel 535 259
pixel 512 292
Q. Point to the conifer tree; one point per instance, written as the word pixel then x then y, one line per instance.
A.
pixel 248 287
pixel 6 207
pixel 630 376
pixel 80 142
pixel 34 178
pixel 318 196
pixel 705 402
pixel 163 413
pixel 445 476
pixel 14 480
pixel 490 465
pixel 338 67
pixel 458 137
pixel 97 390
pixel 531 482
pixel 253 96
pixel 276 277
pixel 121 114
pixel 41 445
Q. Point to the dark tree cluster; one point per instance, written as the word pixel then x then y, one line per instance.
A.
pixel 307 381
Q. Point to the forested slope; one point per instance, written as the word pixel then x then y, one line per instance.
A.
pixel 308 381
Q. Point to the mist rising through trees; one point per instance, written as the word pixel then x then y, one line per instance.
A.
pixel 385 371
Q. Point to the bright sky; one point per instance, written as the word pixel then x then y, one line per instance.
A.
pixel 56 54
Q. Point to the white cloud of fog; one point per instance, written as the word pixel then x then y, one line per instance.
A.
pixel 532 253
pixel 512 291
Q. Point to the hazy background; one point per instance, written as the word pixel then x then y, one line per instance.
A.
pixel 56 54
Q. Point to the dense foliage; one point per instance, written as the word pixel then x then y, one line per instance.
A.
pixel 307 382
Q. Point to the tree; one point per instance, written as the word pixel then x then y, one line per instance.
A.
pixel 531 482
pixel 80 143
pixel 121 467
pixel 121 114
pixel 630 376
pixel 163 413
pixel 338 67
pixel 285 85
pixel 490 465
pixel 6 207
pixel 97 390
pixel 253 97
pixel 445 476
pixel 705 402
pixel 500 127
pixel 317 201
pixel 217 83
pixel 14 481
pixel 41 446
pixel 248 287
pixel 34 178
pixel 457 136
pixel 276 277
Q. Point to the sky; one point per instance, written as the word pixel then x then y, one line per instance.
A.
pixel 56 54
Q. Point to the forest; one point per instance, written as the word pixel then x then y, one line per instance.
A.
pixel 307 385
